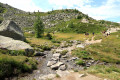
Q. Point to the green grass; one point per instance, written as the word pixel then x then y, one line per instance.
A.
pixel 108 50
pixel 110 72
pixel 64 52
pixel 79 62
pixel 14 65
pixel 76 27
pixel 81 54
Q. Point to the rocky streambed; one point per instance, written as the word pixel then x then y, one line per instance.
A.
pixel 51 63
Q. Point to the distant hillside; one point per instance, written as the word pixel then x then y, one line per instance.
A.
pixel 56 20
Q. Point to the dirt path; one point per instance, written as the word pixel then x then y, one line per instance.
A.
pixel 93 41
pixel 69 75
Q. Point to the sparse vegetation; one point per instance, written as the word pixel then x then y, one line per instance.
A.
pixel 64 52
pixel 14 65
pixel 80 62
pixel 57 76
pixel 110 72
pixel 106 51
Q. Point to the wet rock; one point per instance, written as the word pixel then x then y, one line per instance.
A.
pixel 50 63
pixel 74 58
pixel 65 56
pixel 57 55
pixel 57 65
pixel 63 67
pixel 39 53
pixel 54 59
pixel 88 64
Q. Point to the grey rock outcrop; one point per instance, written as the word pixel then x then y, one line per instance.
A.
pixel 10 29
pixel 11 44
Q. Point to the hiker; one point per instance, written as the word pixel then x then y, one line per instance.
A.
pixel 107 34
pixel 93 33
pixel 86 34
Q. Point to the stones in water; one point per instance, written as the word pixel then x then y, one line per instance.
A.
pixel 57 55
pixel 50 63
pixel 39 53
pixel 57 65
pixel 63 67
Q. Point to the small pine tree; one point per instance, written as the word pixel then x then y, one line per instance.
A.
pixel 38 27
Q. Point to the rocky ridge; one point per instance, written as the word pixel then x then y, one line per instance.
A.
pixel 26 19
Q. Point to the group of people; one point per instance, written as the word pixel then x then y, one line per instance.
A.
pixel 104 33
pixel 87 34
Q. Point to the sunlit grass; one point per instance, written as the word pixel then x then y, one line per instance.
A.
pixel 72 36
pixel 108 50
pixel 39 41
pixel 110 72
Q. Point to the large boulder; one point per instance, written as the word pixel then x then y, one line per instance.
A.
pixel 10 29
pixel 11 44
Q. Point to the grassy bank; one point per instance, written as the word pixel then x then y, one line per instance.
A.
pixel 109 72
pixel 14 65
pixel 108 50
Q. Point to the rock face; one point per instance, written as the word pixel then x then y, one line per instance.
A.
pixel 10 29
pixel 11 44
pixel 85 20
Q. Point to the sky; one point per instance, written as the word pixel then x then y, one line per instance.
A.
pixel 97 9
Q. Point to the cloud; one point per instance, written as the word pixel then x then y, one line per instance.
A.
pixel 108 10
pixel 105 11
pixel 26 5
pixel 68 3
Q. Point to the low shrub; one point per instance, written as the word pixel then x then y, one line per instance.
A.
pixel 55 41
pixel 110 72
pixel 81 54
pixel 79 62
pixel 10 67
pixel 64 52
pixel 49 36
pixel 45 47
pixel 14 52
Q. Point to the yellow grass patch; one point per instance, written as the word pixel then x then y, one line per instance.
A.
pixel 39 41
pixel 72 36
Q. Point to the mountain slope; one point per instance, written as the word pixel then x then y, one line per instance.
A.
pixel 56 20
